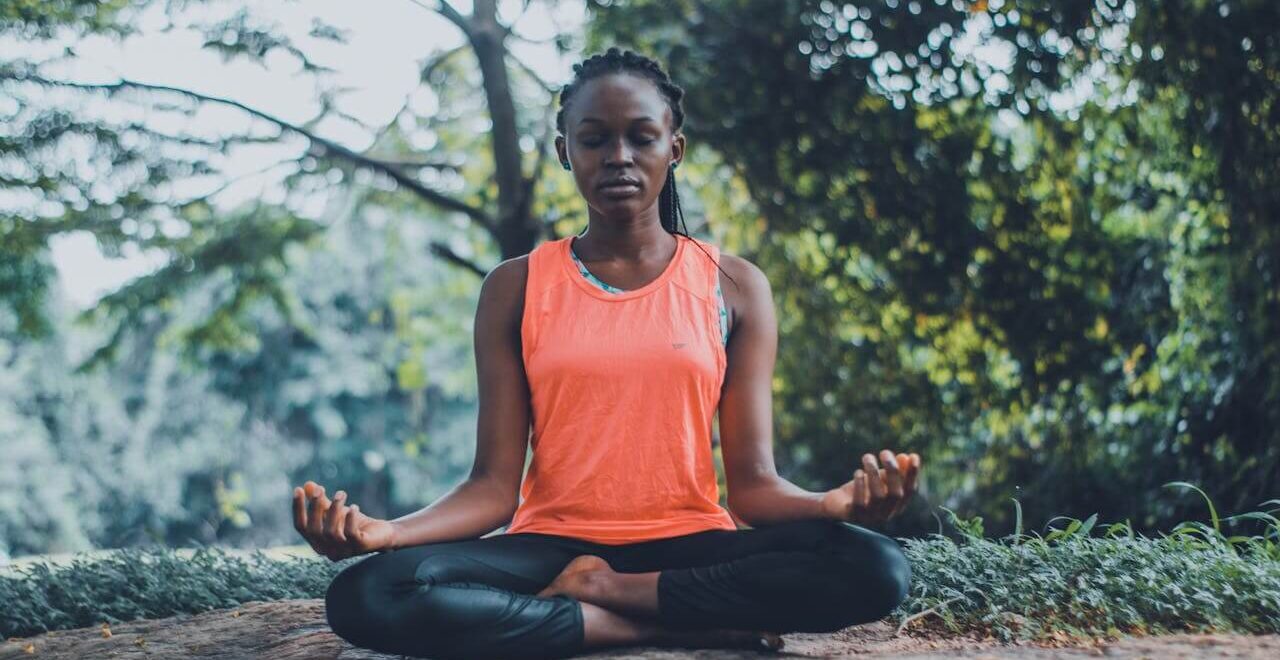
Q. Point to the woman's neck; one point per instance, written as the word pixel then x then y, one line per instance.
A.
pixel 632 243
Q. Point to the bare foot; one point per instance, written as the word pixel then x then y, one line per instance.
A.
pixel 577 577
pixel 586 579
pixel 722 639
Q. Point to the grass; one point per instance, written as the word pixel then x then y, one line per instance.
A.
pixel 151 583
pixel 1021 587
pixel 1072 583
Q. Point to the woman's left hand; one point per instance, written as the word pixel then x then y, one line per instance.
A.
pixel 875 494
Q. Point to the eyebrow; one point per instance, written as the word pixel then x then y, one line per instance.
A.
pixel 633 119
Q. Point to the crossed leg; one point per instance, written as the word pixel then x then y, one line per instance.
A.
pixel 460 599
pixel 812 576
pixel 477 598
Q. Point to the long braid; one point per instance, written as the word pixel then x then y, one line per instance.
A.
pixel 670 213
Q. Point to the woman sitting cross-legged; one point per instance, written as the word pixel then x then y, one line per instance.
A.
pixel 609 352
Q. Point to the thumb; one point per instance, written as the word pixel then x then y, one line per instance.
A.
pixel 354 520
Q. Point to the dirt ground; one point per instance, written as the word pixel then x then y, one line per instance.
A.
pixel 296 630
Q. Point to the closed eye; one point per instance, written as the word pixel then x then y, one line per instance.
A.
pixel 596 143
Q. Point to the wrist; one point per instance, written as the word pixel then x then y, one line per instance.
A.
pixel 397 536
pixel 829 506
pixel 837 504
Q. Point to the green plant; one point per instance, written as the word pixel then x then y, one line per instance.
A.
pixel 1069 581
pixel 1024 586
pixel 150 583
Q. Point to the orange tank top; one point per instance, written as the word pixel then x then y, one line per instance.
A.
pixel 623 388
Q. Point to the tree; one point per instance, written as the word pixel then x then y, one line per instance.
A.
pixel 126 192
pixel 989 261
pixel 369 369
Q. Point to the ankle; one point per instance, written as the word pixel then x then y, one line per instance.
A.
pixel 603 627
pixel 596 587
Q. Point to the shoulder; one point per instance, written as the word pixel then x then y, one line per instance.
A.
pixel 510 270
pixel 746 290
pixel 503 287
pixel 509 274
pixel 741 267
pixel 751 281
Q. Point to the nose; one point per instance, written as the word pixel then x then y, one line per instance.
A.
pixel 618 153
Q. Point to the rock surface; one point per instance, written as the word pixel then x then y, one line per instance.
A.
pixel 296 630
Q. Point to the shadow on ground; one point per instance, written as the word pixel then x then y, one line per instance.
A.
pixel 296 630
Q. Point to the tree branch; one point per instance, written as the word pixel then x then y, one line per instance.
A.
pixel 439 60
pixel 445 252
pixel 450 12
pixel 534 74
pixel 508 161
pixel 418 164
pixel 396 173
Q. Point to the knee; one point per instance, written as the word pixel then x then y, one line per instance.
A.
pixel 373 604
pixel 415 607
pixel 350 603
pixel 896 573
pixel 882 569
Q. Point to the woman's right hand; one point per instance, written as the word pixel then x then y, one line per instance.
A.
pixel 336 530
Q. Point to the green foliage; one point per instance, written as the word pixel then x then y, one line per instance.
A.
pixel 1070 582
pixel 307 334
pixel 150 583
pixel 180 442
pixel 46 17
pixel 1020 587
pixel 1052 276
pixel 1068 294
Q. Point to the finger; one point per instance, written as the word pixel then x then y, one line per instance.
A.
pixel 317 504
pixel 877 487
pixel 869 512
pixel 905 467
pixel 892 477
pixel 315 525
pixel 300 510
pixel 892 481
pixel 913 473
pixel 872 470
pixel 340 526
pixel 332 530
pixel 861 493
pixel 353 524
pixel 911 479
pixel 875 484
pixel 311 492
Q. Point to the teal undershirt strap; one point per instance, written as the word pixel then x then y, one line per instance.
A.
pixel 724 313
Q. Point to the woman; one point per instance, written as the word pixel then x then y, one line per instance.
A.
pixel 616 346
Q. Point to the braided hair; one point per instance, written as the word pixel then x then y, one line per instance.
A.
pixel 670 213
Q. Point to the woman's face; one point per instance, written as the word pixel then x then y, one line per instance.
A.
pixel 618 126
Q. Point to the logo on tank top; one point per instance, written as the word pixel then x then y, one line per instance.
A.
pixel 680 345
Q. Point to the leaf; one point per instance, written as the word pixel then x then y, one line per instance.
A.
pixel 1213 512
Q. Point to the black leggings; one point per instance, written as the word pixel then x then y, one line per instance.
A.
pixel 473 598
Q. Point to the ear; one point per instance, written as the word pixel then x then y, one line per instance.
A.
pixel 562 149
pixel 677 148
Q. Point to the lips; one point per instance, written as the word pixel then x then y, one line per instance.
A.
pixel 620 183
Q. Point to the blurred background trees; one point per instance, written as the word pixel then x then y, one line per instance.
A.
pixel 1033 241
pixel 1038 239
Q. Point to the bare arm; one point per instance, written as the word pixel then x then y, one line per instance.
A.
pixel 757 494
pixel 487 498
